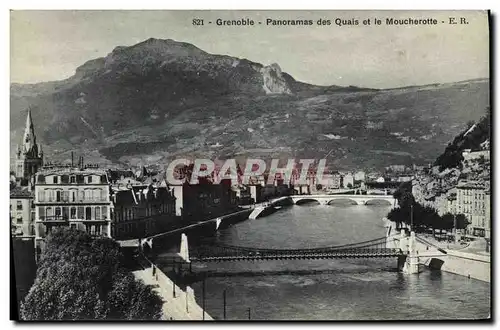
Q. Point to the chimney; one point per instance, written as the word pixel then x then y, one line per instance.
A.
pixel 72 163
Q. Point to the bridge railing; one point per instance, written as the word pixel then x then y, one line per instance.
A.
pixel 374 247
pixel 377 242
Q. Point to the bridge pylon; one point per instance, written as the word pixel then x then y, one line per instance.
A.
pixel 411 263
pixel 184 249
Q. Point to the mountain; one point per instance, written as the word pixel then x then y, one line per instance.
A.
pixel 163 99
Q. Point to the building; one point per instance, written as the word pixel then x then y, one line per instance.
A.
pixel 204 200
pixel 404 178
pixel 487 207
pixel 360 176
pixel 75 197
pixel 330 180
pixel 472 201
pixel 473 155
pixel 396 168
pixel 29 158
pixel 348 180
pixel 22 212
pixel 29 155
pixel 141 209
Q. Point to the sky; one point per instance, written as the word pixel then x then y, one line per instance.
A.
pixel 50 45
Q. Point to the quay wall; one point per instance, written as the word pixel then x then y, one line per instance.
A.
pixel 178 304
pixel 473 265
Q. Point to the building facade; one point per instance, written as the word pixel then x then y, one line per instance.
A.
pixel 141 210
pixel 22 212
pixel 204 200
pixel 348 180
pixel 78 198
pixel 473 202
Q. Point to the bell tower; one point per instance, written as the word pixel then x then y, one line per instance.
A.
pixel 29 156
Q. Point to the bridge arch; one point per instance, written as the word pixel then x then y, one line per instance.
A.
pixel 342 201
pixel 307 201
pixel 378 202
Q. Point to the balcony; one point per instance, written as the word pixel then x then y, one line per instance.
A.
pixel 54 218
pixel 71 201
pixel 66 219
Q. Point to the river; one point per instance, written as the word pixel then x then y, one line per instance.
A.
pixel 342 289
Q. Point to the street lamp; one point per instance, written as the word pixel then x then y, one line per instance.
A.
pixel 203 294
pixel 455 226
pixel 224 296
pixel 411 217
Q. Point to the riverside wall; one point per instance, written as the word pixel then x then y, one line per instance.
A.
pixel 464 263
pixel 178 304
pixel 472 265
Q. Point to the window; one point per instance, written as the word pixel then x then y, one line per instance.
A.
pixel 88 213
pixel 98 213
pixel 41 196
pixel 58 196
pixel 89 179
pixel 48 212
pixel 58 213
pixel 82 196
pixel 73 226
pixel 81 212
pixel 54 178
pixel 50 195
pixel 73 213
pixel 73 196
pixel 19 219
pixel 98 230
pixel 66 196
pixel 72 179
pixel 19 205
pixel 65 178
pixel 96 194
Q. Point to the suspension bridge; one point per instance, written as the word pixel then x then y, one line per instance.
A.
pixel 375 248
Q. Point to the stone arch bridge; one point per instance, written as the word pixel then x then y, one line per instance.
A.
pixel 358 199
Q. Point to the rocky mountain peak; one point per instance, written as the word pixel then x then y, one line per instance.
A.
pixel 274 81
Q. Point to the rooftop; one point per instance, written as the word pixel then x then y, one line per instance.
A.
pixel 63 169
pixel 20 192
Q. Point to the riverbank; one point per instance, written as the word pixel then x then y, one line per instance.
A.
pixel 178 304
pixel 468 261
pixel 268 208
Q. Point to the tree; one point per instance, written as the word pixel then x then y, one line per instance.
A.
pixel 80 277
pixel 462 221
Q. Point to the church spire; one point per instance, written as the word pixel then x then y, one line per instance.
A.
pixel 29 139
pixel 29 157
